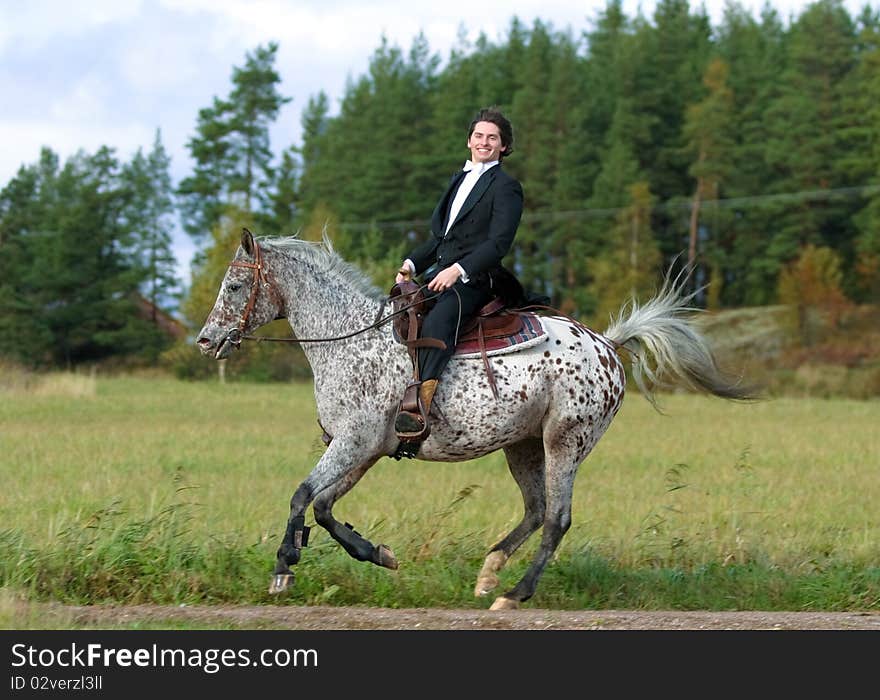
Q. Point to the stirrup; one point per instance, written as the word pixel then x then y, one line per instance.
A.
pixel 411 423
pixel 410 440
pixel 410 426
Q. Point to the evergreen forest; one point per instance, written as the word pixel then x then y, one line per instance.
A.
pixel 750 150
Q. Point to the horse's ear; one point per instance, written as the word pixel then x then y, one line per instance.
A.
pixel 247 241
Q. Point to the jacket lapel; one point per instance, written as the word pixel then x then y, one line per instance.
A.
pixel 442 208
pixel 480 188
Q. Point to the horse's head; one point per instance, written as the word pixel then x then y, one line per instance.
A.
pixel 248 299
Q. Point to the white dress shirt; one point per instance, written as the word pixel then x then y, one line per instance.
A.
pixel 473 171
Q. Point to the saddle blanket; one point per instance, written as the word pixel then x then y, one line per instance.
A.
pixel 531 332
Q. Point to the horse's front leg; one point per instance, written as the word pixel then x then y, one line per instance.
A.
pixel 337 464
pixel 351 540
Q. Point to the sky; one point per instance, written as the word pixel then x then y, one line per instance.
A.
pixel 111 72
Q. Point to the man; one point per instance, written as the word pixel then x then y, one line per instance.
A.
pixel 472 227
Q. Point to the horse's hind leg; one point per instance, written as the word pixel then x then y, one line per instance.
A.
pixel 560 468
pixel 351 540
pixel 525 460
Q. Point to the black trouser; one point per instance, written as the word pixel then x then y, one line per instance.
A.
pixel 442 323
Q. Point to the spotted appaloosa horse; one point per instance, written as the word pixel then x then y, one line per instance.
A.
pixel 555 400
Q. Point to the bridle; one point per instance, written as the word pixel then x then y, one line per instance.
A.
pixel 235 335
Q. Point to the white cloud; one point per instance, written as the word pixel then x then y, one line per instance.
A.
pixel 85 102
pixel 149 66
pixel 353 27
pixel 37 24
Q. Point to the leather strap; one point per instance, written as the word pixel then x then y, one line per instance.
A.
pixel 411 340
pixel 410 401
pixel 409 291
pixel 488 367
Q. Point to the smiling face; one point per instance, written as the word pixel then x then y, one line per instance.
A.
pixel 485 143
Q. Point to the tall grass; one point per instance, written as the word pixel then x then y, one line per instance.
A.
pixel 165 491
pixel 15 381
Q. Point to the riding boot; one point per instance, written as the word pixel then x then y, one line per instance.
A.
pixel 412 422
pixel 426 393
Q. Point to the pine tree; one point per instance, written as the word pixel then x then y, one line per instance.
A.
pixel 708 133
pixel 82 271
pixel 203 195
pixel 501 67
pixel 378 111
pixel 609 70
pixel 631 265
pixel 671 57
pixel 149 214
pixel 231 147
pixel 536 139
pixel 807 140
pixel 315 164
pixel 575 164
pixel 253 105
pixel 453 103
pixel 866 280
pixel 24 335
pixel 755 54
pixel 590 124
pixel 674 55
pixel 532 113
pixel 285 198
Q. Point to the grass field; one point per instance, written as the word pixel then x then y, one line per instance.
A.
pixel 151 489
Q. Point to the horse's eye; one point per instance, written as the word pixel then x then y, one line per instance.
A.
pixel 235 286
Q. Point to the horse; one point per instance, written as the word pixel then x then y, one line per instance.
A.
pixel 550 403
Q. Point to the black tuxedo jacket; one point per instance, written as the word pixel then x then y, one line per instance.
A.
pixel 481 234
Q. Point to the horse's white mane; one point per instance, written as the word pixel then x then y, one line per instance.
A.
pixel 323 256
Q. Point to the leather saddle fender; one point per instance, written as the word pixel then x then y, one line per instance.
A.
pixel 409 306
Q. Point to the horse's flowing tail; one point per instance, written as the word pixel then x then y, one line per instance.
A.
pixel 664 345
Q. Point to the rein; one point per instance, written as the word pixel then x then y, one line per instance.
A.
pixel 380 321
pixel 236 335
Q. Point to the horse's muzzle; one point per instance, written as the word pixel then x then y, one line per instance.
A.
pixel 230 340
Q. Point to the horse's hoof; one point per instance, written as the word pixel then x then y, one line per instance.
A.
pixel 280 583
pixel 485 585
pixel 385 557
pixel 487 581
pixel 502 603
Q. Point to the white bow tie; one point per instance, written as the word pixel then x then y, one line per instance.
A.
pixel 470 165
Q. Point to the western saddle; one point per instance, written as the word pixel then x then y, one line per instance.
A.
pixel 410 305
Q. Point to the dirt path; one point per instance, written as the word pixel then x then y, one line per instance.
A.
pixel 354 618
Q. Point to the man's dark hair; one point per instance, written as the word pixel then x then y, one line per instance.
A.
pixel 491 114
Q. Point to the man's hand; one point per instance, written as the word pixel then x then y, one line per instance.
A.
pixel 444 279
pixel 404 274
